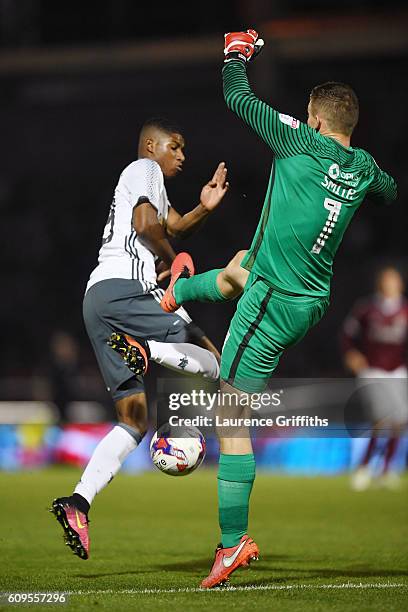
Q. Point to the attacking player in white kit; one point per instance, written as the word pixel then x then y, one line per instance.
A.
pixel 122 303
pixel 375 342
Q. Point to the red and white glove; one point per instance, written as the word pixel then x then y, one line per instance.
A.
pixel 242 46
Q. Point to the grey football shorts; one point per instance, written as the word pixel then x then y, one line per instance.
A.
pixel 123 305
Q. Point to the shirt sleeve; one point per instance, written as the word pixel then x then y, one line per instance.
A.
pixel 145 182
pixel 383 188
pixel 285 135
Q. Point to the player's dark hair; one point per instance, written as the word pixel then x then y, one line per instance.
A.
pixel 338 104
pixel 162 124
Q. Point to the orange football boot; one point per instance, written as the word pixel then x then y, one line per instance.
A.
pixel 135 352
pixel 227 560
pixel 182 267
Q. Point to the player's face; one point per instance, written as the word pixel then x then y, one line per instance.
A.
pixel 390 283
pixel 168 152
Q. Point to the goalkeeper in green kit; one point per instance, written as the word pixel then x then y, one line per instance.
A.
pixel 317 183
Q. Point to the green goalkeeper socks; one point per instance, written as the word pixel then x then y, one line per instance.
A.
pixel 236 476
pixel 199 288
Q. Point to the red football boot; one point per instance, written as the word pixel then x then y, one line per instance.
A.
pixel 75 526
pixel 227 560
pixel 183 267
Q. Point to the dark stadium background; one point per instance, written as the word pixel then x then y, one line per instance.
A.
pixel 77 81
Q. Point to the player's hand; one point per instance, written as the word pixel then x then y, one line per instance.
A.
pixel 213 192
pixel 162 271
pixel 242 46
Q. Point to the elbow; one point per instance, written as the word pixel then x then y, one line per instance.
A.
pixel 179 230
pixel 144 233
pixel 391 197
pixel 175 232
pixel 141 231
pixel 238 100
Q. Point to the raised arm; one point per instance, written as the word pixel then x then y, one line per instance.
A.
pixel 181 226
pixel 285 135
pixel 153 231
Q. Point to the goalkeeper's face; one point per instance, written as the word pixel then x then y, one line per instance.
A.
pixel 168 152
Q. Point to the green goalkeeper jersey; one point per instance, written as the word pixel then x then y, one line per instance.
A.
pixel 315 187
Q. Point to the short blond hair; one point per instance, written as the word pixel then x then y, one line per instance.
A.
pixel 338 104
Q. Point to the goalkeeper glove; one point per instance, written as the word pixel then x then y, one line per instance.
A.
pixel 242 46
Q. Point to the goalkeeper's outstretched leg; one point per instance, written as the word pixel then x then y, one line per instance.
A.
pixel 217 285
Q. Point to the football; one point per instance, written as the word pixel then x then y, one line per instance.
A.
pixel 177 451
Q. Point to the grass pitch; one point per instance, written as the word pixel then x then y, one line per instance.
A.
pixel 323 547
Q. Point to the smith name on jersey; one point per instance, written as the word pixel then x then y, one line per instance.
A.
pixel 122 255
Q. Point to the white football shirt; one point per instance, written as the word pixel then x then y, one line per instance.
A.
pixel 122 255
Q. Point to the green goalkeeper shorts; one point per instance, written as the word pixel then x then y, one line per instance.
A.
pixel 265 323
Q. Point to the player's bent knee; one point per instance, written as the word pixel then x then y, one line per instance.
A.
pixel 234 275
pixel 237 259
pixel 132 411
pixel 235 264
pixel 239 256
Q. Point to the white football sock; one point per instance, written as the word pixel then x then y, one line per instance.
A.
pixel 185 357
pixel 107 460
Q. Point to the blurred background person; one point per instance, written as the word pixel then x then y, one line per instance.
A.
pixel 63 372
pixel 374 343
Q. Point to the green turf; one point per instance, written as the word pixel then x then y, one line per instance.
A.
pixel 157 532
